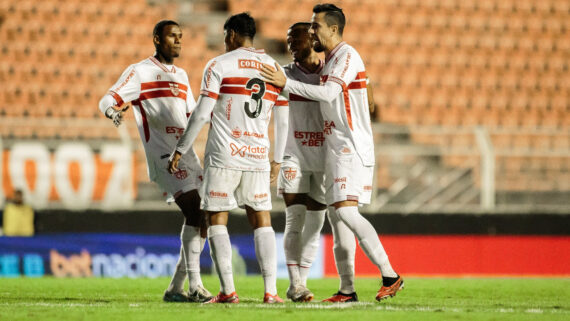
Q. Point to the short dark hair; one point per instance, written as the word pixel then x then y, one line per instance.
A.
pixel 305 25
pixel 159 27
pixel 242 24
pixel 333 15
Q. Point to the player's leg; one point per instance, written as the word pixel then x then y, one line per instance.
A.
pixel 353 184
pixel 217 199
pixel 265 251
pixel 294 221
pixel 255 194
pixel 184 188
pixel 193 243
pixel 221 252
pixel 344 249
pixel 314 220
pixel 293 185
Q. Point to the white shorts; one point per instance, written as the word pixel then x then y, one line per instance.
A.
pixel 225 189
pixel 184 180
pixel 347 179
pixel 295 181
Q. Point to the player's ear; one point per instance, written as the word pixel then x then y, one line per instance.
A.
pixel 334 28
pixel 156 40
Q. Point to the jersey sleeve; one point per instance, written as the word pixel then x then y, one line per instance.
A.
pixel 127 88
pixel 190 102
pixel 212 80
pixel 344 70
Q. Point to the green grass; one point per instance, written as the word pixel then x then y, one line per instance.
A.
pixel 422 299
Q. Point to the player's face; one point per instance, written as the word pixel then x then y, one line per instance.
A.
pixel 320 32
pixel 299 44
pixel 170 41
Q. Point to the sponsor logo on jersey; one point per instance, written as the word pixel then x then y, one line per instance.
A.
pixel 260 196
pixel 181 174
pixel 175 130
pixel 290 173
pixel 174 88
pixel 329 125
pixel 215 194
pixel 346 65
pixel 249 64
pixel 367 187
pixel 158 77
pixel 126 81
pixel 346 150
pixel 236 132
pixel 252 134
pixel 311 139
pixel 229 108
pixel 249 151
pixel 209 74
pixel 340 180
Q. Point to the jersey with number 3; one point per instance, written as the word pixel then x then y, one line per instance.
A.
pixel 238 137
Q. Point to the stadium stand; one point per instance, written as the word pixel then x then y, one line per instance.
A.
pixel 439 69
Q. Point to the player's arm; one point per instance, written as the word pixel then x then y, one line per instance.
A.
pixel 371 105
pixel 109 107
pixel 325 93
pixel 281 125
pixel 199 118
pixel 115 103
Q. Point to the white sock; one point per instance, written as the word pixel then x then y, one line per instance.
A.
pixel 344 250
pixel 266 252
pixel 179 276
pixel 368 239
pixel 202 243
pixel 294 220
pixel 310 240
pixel 221 253
pixel 190 237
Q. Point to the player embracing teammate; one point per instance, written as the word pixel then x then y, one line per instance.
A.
pixel 237 169
pixel 349 164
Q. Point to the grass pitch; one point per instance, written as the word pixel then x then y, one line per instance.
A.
pixel 422 299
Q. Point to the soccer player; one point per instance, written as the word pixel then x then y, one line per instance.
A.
pixel 163 100
pixel 301 179
pixel 349 165
pixel 236 165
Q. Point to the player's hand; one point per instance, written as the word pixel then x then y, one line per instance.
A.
pixel 274 76
pixel 116 114
pixel 173 162
pixel 275 167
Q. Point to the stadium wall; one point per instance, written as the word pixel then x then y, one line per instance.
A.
pixel 146 244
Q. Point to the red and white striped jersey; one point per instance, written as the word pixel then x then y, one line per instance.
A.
pixel 162 102
pixel 346 118
pixel 305 138
pixel 238 137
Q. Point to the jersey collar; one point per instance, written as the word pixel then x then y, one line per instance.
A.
pixel 161 65
pixel 253 49
pixel 334 51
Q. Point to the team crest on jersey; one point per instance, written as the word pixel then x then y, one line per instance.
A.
pixel 174 88
pixel 181 174
pixel 236 132
pixel 290 174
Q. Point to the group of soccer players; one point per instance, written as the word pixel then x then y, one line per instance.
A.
pixel 323 153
